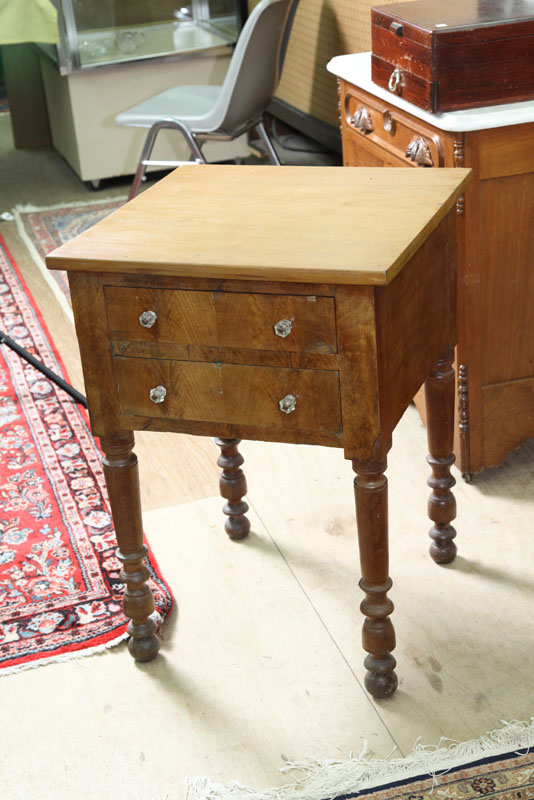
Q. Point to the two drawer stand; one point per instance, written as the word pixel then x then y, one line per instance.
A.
pixel 295 304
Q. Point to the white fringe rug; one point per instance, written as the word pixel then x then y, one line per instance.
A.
pixel 325 780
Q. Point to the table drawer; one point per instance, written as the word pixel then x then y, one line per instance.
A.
pixel 294 323
pixel 413 142
pixel 232 393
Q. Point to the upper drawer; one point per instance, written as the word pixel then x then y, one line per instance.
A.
pixel 409 140
pixel 296 323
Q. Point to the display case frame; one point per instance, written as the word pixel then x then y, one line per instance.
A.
pixel 194 28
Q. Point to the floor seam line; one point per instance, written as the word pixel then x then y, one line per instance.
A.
pixel 316 611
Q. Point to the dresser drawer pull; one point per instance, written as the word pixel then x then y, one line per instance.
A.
pixel 157 394
pixel 283 328
pixel 147 318
pixel 419 152
pixel 361 119
pixel 395 80
pixel 389 123
pixel 288 403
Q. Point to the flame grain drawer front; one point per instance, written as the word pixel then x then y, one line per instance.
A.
pixel 294 323
pixel 230 393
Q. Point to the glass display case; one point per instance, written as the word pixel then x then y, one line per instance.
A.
pixel 94 33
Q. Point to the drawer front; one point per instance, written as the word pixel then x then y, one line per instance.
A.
pixel 293 323
pixel 231 393
pixel 403 138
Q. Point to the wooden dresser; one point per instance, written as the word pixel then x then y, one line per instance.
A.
pixel 258 303
pixel 495 354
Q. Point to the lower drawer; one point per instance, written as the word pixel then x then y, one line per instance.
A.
pixel 236 394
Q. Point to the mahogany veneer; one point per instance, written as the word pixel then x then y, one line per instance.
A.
pixel 267 303
pixel 444 56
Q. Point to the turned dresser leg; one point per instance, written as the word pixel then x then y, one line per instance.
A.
pixel 233 486
pixel 439 397
pixel 378 638
pixel 122 479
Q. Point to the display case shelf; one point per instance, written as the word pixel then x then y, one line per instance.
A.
pixel 97 33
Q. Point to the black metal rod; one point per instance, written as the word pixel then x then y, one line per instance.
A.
pixel 42 368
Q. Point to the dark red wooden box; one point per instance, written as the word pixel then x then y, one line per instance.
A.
pixel 445 55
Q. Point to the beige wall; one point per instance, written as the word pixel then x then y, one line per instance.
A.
pixel 322 29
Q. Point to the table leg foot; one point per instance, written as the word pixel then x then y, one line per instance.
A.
pixel 378 636
pixel 439 396
pixel 138 603
pixel 122 479
pixel 233 486
pixel 143 644
pixel 380 678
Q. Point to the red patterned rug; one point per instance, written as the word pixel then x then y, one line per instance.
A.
pixel 60 592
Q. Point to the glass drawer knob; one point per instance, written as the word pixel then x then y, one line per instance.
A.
pixel 147 318
pixel 283 328
pixel 157 394
pixel 288 403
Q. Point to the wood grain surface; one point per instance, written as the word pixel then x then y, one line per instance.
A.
pixel 224 319
pixel 256 222
pixel 230 393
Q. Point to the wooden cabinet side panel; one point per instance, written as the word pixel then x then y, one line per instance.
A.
pixel 508 417
pixel 506 209
pixel 504 151
pixel 416 320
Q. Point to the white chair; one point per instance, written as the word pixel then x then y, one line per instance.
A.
pixel 221 112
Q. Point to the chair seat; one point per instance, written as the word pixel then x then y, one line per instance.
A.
pixel 190 104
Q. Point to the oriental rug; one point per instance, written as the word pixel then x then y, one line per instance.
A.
pixel 499 766
pixel 44 229
pixel 60 592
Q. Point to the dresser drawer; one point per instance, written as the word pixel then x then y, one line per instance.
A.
pixel 293 323
pixel 409 140
pixel 231 393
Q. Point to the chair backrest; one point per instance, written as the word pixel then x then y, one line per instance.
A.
pixel 255 66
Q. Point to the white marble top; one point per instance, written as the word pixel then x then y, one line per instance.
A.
pixel 356 68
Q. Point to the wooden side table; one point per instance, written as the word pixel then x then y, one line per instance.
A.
pixel 495 353
pixel 300 304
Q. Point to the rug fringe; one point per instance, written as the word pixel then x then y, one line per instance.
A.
pixel 71 656
pixel 322 780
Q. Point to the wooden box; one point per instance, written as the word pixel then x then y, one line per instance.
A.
pixel 443 55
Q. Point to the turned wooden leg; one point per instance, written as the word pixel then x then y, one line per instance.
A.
pixel 439 396
pixel 233 486
pixel 378 638
pixel 122 479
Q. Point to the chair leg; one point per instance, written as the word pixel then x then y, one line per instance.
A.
pixel 271 152
pixel 148 146
pixel 145 155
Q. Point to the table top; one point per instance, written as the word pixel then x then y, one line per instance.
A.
pixel 304 224
pixel 356 69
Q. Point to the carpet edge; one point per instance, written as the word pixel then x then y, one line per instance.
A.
pixel 331 778
pixel 38 261
pixel 74 655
